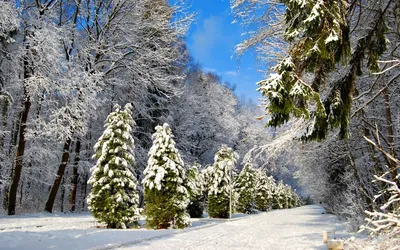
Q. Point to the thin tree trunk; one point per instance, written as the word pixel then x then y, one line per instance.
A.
pixel 21 141
pixel 13 143
pixel 21 194
pixel 353 165
pixel 390 137
pixel 84 191
pixel 62 194
pixel 60 174
pixel 75 176
pixel 393 164
pixel 18 158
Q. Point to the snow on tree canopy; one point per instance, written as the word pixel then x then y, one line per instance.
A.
pixel 166 197
pixel 8 19
pixel 265 190
pixel 221 182
pixel 114 197
pixel 246 189
pixel 195 186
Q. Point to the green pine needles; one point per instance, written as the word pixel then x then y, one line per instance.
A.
pixel 195 187
pixel 114 197
pixel 265 189
pixel 165 194
pixel 319 34
pixel 220 189
pixel 245 187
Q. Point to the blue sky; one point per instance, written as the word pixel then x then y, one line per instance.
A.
pixel 211 41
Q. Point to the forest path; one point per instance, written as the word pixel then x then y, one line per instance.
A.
pixel 297 228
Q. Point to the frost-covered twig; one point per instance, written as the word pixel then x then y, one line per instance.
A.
pixel 387 221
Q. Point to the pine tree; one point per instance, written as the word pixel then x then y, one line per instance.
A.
pixel 320 35
pixel 166 197
pixel 265 189
pixel 220 189
pixel 245 187
pixel 281 197
pixel 114 197
pixel 195 187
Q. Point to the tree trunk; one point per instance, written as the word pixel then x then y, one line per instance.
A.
pixel 84 191
pixel 390 137
pixel 18 158
pixel 21 194
pixel 10 172
pixel 21 132
pixel 75 176
pixel 62 194
pixel 368 200
pixel 59 176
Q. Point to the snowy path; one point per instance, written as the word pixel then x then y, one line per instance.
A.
pixel 298 228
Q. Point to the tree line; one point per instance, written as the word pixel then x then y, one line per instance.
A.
pixel 336 76
pixel 64 64
pixel 173 192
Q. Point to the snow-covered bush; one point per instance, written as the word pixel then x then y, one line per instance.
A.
pixel 246 189
pixel 220 189
pixel 114 197
pixel 165 195
pixel 386 221
pixel 265 188
pixel 195 188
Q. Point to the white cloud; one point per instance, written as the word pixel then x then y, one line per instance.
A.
pixel 210 70
pixel 231 73
pixel 208 35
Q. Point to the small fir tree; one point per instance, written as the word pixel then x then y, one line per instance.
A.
pixel 281 196
pixel 166 198
pixel 221 184
pixel 206 175
pixel 195 187
pixel 114 197
pixel 265 188
pixel 245 188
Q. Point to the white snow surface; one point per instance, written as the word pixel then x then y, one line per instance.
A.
pixel 297 228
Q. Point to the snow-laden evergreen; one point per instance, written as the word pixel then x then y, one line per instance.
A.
pixel 280 198
pixel 246 189
pixel 165 194
pixel 195 187
pixel 221 183
pixel 114 197
pixel 265 188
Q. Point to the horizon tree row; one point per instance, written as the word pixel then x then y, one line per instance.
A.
pixel 172 192
pixel 63 66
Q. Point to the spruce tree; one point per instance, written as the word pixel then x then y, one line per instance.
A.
pixel 265 188
pixel 280 196
pixel 195 187
pixel 323 36
pixel 221 184
pixel 114 197
pixel 245 188
pixel 165 195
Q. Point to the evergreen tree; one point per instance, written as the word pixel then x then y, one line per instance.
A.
pixel 195 187
pixel 114 197
pixel 206 175
pixel 265 189
pixel 281 197
pixel 245 187
pixel 166 198
pixel 220 190
pixel 321 35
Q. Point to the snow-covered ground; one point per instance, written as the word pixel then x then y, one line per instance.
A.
pixel 298 228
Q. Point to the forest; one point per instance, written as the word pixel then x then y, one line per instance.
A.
pixel 328 124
